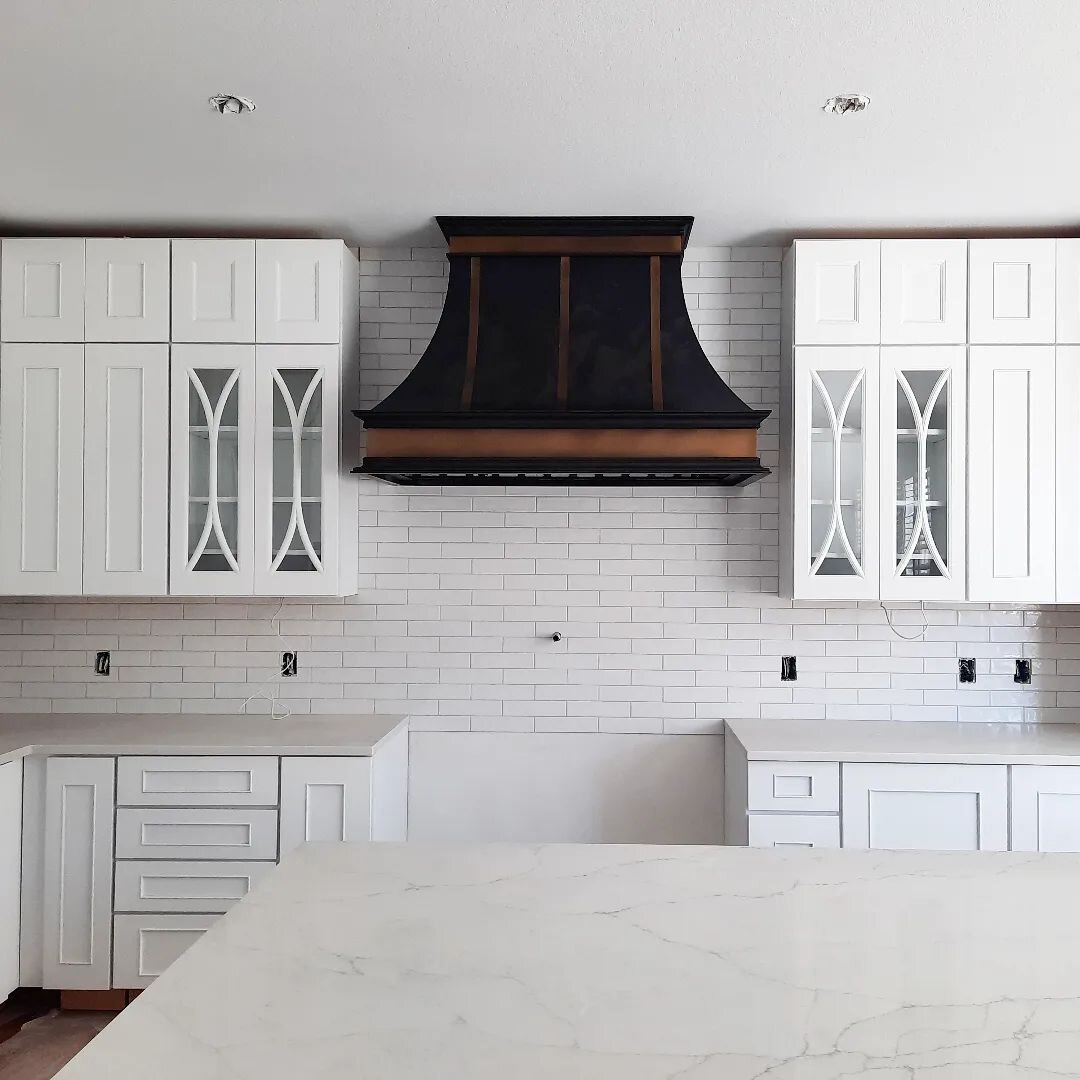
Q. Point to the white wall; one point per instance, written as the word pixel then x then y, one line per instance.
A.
pixel 666 599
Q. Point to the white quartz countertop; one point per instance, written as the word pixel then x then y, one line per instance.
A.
pixel 885 740
pixel 410 962
pixel 157 733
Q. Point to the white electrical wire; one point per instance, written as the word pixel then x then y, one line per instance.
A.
pixel 278 709
pixel 908 637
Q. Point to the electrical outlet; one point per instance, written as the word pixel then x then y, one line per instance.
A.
pixel 288 664
pixel 788 670
pixel 967 670
pixel 102 663
pixel 1023 672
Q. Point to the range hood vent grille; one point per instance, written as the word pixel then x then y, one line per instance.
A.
pixel 564 355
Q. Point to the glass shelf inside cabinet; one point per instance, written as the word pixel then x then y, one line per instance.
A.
pixel 836 473
pixel 922 473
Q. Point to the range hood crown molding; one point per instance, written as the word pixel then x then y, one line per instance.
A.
pixel 560 338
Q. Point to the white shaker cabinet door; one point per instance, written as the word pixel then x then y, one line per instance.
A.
pixel 835 524
pixel 923 292
pixel 211 521
pixel 126 454
pixel 324 799
pixel 925 807
pixel 297 526
pixel 1045 808
pixel 127 290
pixel 147 944
pixel 298 291
pixel 1068 474
pixel 1068 291
pixel 78 872
pixel 1011 474
pixel 923 456
pixel 1011 292
pixel 837 285
pixel 41 479
pixel 213 290
pixel 10 873
pixel 41 290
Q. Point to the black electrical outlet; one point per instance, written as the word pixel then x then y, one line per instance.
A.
pixel 788 671
pixel 288 665
pixel 967 670
pixel 101 663
pixel 1023 671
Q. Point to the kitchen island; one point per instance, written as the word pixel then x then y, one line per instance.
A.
pixel 500 962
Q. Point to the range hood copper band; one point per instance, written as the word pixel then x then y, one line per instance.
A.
pixel 474 334
pixel 565 245
pixel 607 443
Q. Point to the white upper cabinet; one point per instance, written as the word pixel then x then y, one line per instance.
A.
pixel 837 292
pixel 298 291
pixel 1012 291
pixel 1011 474
pixel 41 479
pixel 1068 474
pixel 126 466
pixel 213 290
pixel 212 485
pixel 297 411
pixel 127 290
pixel 923 292
pixel 923 505
pixel 835 461
pixel 41 290
pixel 1068 292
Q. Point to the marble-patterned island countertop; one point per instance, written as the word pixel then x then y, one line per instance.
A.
pixel 499 962
pixel 345 735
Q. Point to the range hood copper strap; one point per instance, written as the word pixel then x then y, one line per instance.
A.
pixel 563 379
pixel 654 333
pixel 614 443
pixel 474 334
pixel 566 245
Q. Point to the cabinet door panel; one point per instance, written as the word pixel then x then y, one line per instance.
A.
pixel 78 873
pixel 923 292
pixel 923 454
pixel 925 807
pixel 147 944
pixel 298 291
pixel 297 528
pixel 1067 510
pixel 325 799
pixel 41 290
pixel 1011 292
pixel 127 290
pixel 1011 474
pixel 1045 808
pixel 836 292
pixel 10 874
pixel 836 474
pixel 212 489
pixel 213 290
pixel 126 543
pixel 41 482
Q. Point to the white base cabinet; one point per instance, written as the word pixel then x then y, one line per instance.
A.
pixel 10 874
pixel 1045 808
pixel 141 853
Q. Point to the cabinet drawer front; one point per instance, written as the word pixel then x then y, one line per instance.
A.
pixel 794 830
pixel 196 834
pixel 197 781
pixel 794 785
pixel 207 887
pixel 145 945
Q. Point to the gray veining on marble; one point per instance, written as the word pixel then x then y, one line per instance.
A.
pixel 402 962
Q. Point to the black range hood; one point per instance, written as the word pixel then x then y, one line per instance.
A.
pixel 564 355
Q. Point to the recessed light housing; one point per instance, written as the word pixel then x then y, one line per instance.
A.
pixel 842 104
pixel 230 103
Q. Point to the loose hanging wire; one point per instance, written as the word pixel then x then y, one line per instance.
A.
pixel 278 709
pixel 908 637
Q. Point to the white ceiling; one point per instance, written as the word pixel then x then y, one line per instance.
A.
pixel 374 115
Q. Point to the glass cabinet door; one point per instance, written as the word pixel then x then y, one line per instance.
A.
pixel 835 464
pixel 922 492
pixel 212 447
pixel 296 475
